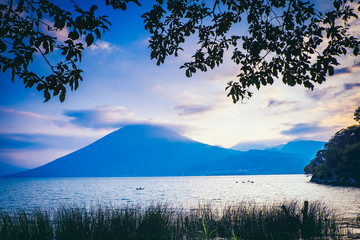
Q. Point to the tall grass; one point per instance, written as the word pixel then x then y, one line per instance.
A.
pixel 289 220
pixel 22 225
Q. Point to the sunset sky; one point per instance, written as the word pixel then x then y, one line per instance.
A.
pixel 123 86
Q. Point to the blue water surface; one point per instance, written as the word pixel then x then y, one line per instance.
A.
pixel 184 192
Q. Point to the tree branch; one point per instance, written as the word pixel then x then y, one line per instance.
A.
pixel 10 5
pixel 45 58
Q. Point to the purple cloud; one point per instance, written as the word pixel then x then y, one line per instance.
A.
pixel 102 117
pixel 277 103
pixel 350 86
pixel 319 94
pixel 301 129
pixel 191 109
pixel 15 141
pixel 342 70
pixel 346 70
pixel 38 141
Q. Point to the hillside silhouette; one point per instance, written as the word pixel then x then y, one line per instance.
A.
pixel 149 150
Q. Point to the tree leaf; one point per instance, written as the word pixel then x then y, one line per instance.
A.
pixel 2 46
pixel 93 8
pixel 47 95
pixel 62 95
pixel 74 35
pixel 89 39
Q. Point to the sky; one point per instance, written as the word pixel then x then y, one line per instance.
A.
pixel 123 86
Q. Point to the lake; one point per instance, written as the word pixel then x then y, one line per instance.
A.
pixel 176 191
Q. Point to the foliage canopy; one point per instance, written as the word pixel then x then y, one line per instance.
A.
pixel 357 115
pixel 28 27
pixel 291 40
pixel 339 161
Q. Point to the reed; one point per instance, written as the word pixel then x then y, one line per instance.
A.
pixel 21 225
pixel 288 220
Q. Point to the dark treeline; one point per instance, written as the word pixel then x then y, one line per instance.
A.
pixel 339 162
pixel 289 220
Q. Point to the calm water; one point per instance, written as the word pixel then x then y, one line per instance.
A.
pixel 176 191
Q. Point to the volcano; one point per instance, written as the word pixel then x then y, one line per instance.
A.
pixel 150 150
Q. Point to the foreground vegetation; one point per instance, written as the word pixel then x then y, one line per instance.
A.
pixel 289 220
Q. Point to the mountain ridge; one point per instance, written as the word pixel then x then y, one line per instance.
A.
pixel 152 150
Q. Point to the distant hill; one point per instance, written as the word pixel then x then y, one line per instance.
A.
pixel 305 148
pixel 249 146
pixel 148 150
pixel 6 169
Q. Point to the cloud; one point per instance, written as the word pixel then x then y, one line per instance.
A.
pixel 14 141
pixel 18 121
pixel 18 149
pixel 350 86
pixel 304 129
pixel 260 145
pixel 102 117
pixel 39 141
pixel 29 158
pixel 347 70
pixel 101 45
pixel 157 88
pixel 61 35
pixel 190 109
pixel 277 103
pixel 16 125
pixel 318 94
pixel 342 70
pixel 19 113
